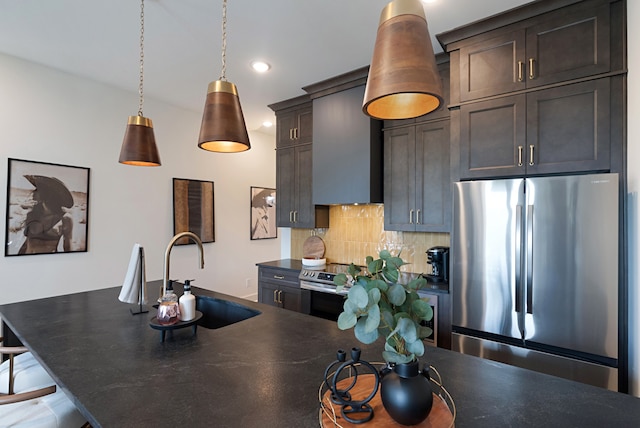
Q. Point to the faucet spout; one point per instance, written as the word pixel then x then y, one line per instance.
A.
pixel 167 256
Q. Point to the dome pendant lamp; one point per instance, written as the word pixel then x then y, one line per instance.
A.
pixel 403 80
pixel 139 144
pixel 223 128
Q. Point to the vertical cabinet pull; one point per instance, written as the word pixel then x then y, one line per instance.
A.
pixel 418 217
pixel 275 296
pixel 411 217
pixel 280 296
pixel 520 71
pixel 520 148
pixel 290 216
pixel 532 73
pixel 531 162
pixel 291 133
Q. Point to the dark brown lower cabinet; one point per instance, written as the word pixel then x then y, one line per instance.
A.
pixel 280 288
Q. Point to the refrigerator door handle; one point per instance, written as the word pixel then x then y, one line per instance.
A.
pixel 529 282
pixel 518 260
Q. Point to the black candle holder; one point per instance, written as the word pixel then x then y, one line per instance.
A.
pixel 353 411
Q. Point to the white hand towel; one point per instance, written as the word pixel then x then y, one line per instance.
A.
pixel 135 278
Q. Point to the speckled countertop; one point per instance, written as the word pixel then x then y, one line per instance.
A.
pixel 261 372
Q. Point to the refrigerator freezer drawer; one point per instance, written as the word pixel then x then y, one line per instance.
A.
pixel 580 371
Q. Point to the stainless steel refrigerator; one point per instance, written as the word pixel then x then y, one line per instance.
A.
pixel 535 274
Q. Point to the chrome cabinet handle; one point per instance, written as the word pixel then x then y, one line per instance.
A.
pixel 531 162
pixel 520 148
pixel 532 73
pixel 278 276
pixel 418 217
pixel 518 261
pixel 520 71
pixel 411 217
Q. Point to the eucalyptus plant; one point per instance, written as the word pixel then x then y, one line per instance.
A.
pixel 377 304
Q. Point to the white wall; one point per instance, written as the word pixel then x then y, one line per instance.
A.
pixel 50 116
pixel 633 147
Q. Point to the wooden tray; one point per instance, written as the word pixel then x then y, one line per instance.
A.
pixel 313 247
pixel 440 416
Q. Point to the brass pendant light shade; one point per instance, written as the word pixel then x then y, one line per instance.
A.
pixel 223 129
pixel 403 80
pixel 139 144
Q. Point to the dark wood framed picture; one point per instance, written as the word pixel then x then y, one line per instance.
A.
pixel 263 213
pixel 47 208
pixel 193 209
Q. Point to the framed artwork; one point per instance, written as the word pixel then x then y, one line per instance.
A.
pixel 47 208
pixel 193 209
pixel 263 213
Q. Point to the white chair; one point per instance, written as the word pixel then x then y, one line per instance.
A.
pixel 29 398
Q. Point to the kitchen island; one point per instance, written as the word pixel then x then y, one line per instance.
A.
pixel 261 372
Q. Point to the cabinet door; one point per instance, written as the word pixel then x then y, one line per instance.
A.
pixel 304 132
pixel 268 294
pixel 399 179
pixel 286 122
pixel 304 209
pixel 492 66
pixel 568 45
pixel 285 183
pixel 568 128
pixel 433 178
pixel 492 138
pixel 290 298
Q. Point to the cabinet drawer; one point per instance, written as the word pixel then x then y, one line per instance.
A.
pixel 277 276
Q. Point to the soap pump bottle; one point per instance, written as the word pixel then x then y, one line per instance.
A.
pixel 187 303
pixel 169 309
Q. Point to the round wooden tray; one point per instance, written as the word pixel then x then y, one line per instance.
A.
pixel 440 416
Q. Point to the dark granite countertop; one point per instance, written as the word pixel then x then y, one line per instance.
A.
pixel 262 372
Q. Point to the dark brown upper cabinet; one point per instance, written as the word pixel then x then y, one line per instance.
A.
pixel 294 126
pixel 566 44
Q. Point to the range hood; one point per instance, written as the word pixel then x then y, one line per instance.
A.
pixel 347 144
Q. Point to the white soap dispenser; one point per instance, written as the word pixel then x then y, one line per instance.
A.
pixel 187 303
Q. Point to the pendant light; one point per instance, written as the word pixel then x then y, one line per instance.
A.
pixel 139 144
pixel 403 80
pixel 223 128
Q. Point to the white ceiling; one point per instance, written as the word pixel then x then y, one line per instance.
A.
pixel 305 41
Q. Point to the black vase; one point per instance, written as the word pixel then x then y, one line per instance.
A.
pixel 406 393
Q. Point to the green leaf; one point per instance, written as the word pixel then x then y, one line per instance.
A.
pixel 391 274
pixel 375 266
pixel 422 309
pixel 353 270
pixel 385 254
pixel 374 296
pixel 395 262
pixel 424 332
pixel 361 333
pixel 340 279
pixel 346 320
pixel 349 306
pixel 358 295
pixel 397 294
pixel 380 284
pixel 416 347
pixel 407 329
pixel 387 322
pixel 373 319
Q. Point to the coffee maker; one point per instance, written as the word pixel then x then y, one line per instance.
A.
pixel 438 258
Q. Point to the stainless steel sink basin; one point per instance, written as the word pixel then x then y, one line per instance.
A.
pixel 217 313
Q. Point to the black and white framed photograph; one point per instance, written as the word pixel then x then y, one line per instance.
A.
pixel 193 202
pixel 47 208
pixel 263 213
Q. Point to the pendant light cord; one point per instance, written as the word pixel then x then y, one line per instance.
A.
pixel 140 87
pixel 223 74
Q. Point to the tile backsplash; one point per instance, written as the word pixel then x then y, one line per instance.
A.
pixel 357 231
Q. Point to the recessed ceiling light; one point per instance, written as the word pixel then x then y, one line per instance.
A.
pixel 260 66
pixel 267 124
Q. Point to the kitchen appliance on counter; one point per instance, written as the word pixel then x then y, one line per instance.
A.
pixel 438 258
pixel 320 297
pixel 535 274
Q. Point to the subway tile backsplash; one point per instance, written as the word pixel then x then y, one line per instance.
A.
pixel 357 231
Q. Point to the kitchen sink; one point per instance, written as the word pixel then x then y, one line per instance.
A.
pixel 217 313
